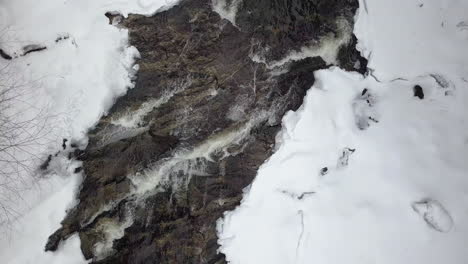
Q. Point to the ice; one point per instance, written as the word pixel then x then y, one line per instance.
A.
pixel 227 10
pixel 327 47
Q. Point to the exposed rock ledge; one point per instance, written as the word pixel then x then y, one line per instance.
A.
pixel 177 151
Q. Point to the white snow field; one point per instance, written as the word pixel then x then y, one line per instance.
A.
pixel 87 63
pixel 365 171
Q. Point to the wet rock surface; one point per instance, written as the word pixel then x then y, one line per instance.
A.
pixel 283 26
pixel 176 152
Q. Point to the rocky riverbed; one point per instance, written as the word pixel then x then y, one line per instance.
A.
pixel 179 148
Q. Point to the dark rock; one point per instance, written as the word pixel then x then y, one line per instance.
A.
pixel 5 55
pixel 54 241
pixel 324 171
pixel 61 38
pixel 210 120
pixel 350 59
pixel 33 48
pixel 418 92
pixel 46 163
pixel 288 25
pixel 114 17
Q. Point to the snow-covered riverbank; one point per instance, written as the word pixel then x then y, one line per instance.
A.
pixel 366 170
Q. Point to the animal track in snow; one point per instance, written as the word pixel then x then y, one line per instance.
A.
pixel 435 215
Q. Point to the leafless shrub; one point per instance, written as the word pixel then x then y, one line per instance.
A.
pixel 22 130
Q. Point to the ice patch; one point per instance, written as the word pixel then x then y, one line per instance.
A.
pixel 112 230
pixel 134 119
pixel 227 10
pixel 191 161
pixel 327 48
pixel 113 134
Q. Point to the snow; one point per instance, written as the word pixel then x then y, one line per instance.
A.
pixel 434 214
pixel 24 244
pixel 424 36
pixel 376 175
pixel 86 65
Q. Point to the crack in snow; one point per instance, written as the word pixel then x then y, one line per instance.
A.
pixel 299 240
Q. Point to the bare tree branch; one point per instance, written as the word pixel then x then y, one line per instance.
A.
pixel 23 127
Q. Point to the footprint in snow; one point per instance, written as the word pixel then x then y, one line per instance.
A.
pixel 446 86
pixel 434 214
pixel 462 25
pixel 342 162
pixel 324 171
pixel 344 158
pixel 364 112
pixel 440 80
pixel 462 29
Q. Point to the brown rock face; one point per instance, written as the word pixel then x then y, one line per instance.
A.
pixel 288 25
pixel 177 150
